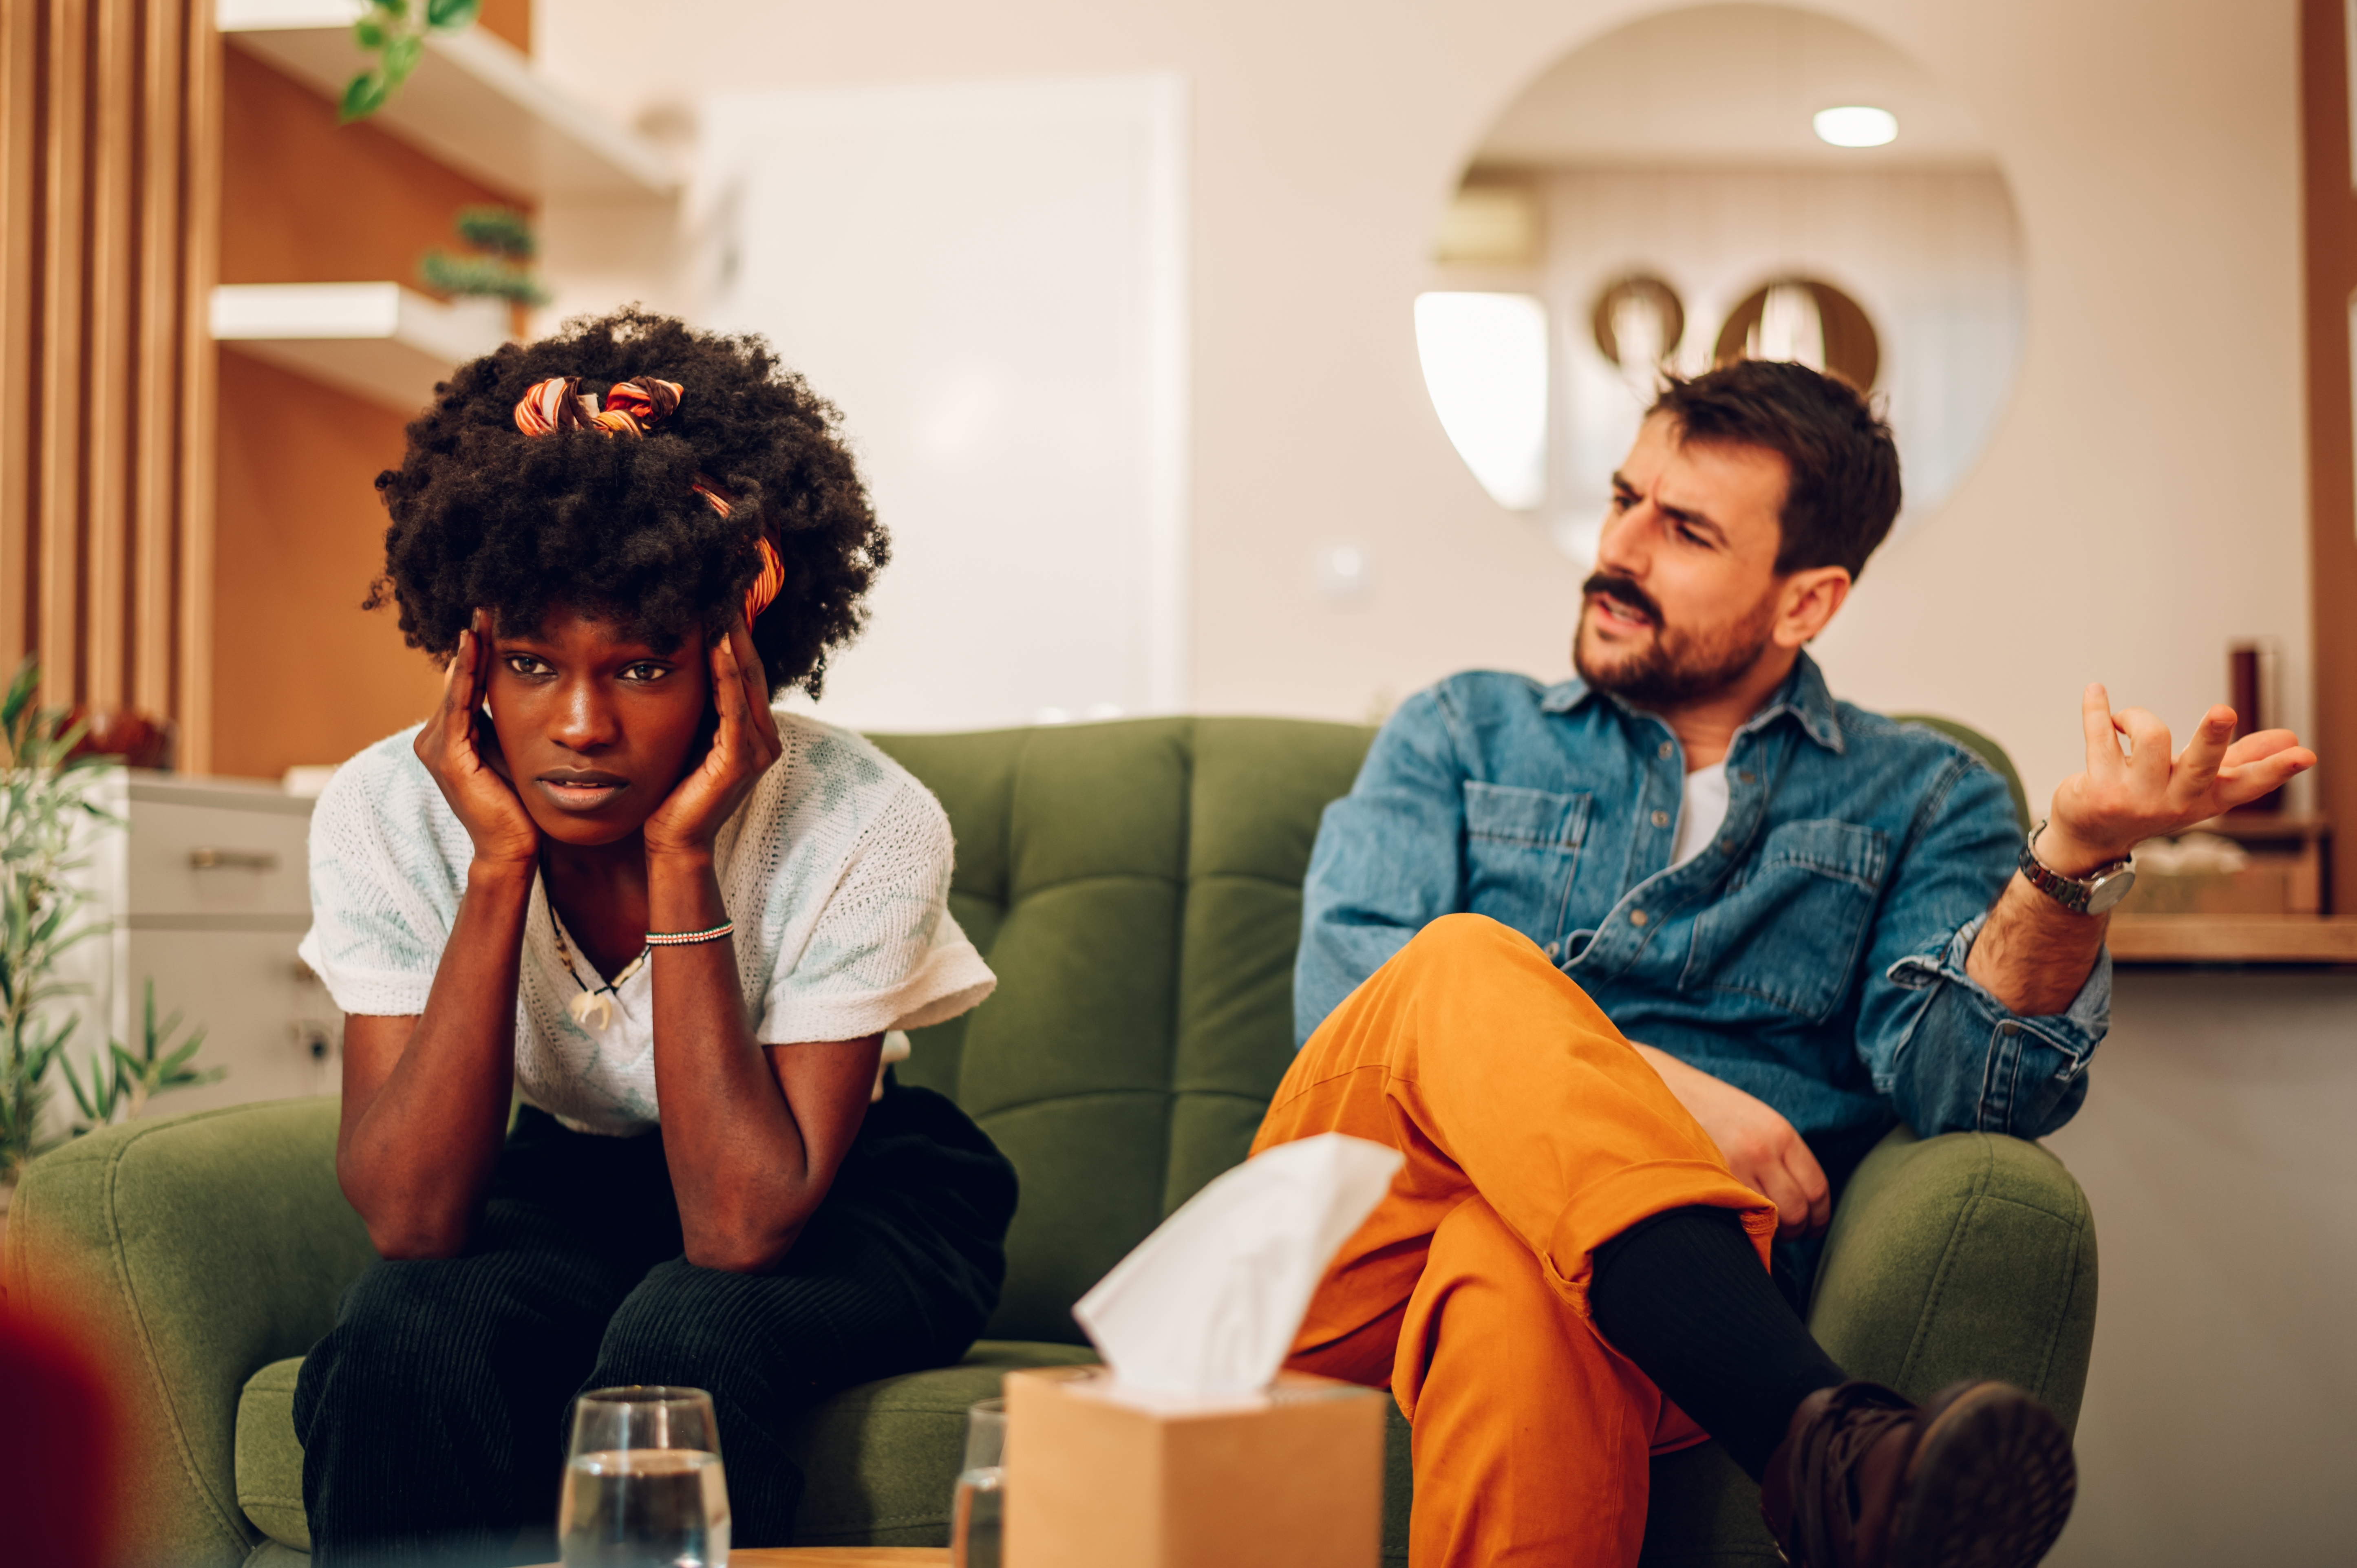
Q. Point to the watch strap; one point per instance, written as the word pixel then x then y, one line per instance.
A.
pixel 2072 892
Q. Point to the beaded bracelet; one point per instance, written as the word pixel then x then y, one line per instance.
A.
pixel 685 939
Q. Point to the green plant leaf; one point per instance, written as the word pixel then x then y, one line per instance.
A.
pixel 501 229
pixel 369 33
pixel 363 96
pixel 479 277
pixel 401 58
pixel 179 1058
pixel 96 1103
pixel 21 687
pixel 449 16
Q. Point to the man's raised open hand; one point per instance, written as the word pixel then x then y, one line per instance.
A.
pixel 2148 792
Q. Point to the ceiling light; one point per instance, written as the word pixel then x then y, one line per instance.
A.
pixel 1856 125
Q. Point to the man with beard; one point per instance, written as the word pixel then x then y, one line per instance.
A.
pixel 1633 969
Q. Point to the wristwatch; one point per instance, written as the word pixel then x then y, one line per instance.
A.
pixel 2090 895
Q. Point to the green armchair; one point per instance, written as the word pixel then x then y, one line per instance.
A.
pixel 1136 886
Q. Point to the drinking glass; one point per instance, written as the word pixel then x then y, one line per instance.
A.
pixel 976 1513
pixel 643 1484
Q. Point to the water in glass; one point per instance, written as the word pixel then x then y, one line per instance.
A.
pixel 646 1507
pixel 977 1510
pixel 975 1519
pixel 643 1486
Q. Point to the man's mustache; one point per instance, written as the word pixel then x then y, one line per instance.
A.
pixel 1626 592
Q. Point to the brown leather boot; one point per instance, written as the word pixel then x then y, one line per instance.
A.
pixel 1979 1477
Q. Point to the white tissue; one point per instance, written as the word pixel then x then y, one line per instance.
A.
pixel 1209 1303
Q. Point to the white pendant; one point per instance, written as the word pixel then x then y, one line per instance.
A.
pixel 593 1010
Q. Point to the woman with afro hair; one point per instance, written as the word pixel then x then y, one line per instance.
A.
pixel 607 884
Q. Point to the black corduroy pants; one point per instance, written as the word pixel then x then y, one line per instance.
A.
pixel 434 1414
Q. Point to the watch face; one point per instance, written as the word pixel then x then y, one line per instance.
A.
pixel 2109 890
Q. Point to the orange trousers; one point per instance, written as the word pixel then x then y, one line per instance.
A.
pixel 1534 1133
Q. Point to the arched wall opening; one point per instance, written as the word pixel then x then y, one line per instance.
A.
pixel 1709 182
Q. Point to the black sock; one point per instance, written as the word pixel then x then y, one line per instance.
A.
pixel 1683 1296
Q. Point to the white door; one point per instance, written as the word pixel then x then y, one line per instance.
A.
pixel 988 279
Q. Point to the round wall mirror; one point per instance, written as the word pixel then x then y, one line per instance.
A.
pixel 1707 183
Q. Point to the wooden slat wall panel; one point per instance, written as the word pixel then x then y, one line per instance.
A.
pixel 114 108
pixel 20 120
pixel 2331 242
pixel 55 407
pixel 155 465
pixel 193 501
pixel 109 139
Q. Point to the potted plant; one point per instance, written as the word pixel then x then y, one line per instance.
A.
pixel 46 803
pixel 44 799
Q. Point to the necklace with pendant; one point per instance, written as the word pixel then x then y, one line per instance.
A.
pixel 593 1009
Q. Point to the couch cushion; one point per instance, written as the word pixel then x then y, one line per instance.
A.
pixel 1998 1215
pixel 1137 888
pixel 269 1456
pixel 879 1459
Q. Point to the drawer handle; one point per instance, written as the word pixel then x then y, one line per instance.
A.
pixel 232 860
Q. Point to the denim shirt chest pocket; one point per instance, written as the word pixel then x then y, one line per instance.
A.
pixel 1789 928
pixel 1522 846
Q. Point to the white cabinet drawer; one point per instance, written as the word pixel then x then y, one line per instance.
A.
pixel 198 850
pixel 264 1018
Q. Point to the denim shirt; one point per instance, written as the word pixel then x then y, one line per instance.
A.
pixel 1813 954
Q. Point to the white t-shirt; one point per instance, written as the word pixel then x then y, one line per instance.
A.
pixel 836 872
pixel 1700 813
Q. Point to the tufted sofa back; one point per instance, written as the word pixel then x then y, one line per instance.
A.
pixel 1137 888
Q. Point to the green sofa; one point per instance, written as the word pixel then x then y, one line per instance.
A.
pixel 1136 887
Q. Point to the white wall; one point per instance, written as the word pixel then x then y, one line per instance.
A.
pixel 2139 505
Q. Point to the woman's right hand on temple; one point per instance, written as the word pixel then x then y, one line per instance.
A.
pixel 458 749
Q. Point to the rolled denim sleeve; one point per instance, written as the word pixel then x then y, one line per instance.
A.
pixel 1389 860
pixel 1950 1056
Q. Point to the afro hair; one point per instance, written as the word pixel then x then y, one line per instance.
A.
pixel 485 516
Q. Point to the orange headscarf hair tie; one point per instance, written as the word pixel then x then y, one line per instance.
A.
pixel 633 408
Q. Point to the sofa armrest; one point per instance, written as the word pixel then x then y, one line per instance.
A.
pixel 1968 1255
pixel 194 1250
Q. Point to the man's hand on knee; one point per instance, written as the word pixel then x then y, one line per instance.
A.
pixel 1761 1149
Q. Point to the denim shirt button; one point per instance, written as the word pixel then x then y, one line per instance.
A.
pixel 1552 949
pixel 1748 777
pixel 1636 917
pixel 1667 751
pixel 1661 819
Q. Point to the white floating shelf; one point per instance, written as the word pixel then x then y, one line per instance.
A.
pixel 475 102
pixel 376 340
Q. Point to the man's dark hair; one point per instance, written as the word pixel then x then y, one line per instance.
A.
pixel 484 515
pixel 1843 489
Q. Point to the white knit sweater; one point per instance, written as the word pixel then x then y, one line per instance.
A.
pixel 836 872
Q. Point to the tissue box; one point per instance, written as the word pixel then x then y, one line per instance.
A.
pixel 1290 1479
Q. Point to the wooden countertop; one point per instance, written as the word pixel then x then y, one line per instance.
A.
pixel 2234 939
